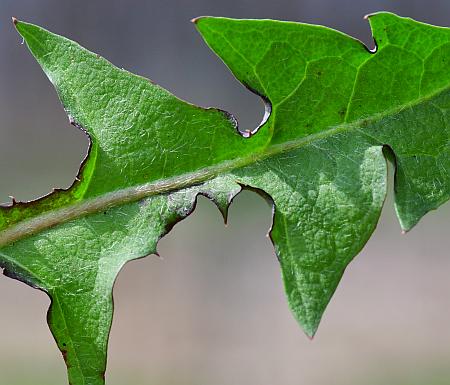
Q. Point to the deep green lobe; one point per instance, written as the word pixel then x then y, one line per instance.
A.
pixel 76 264
pixel 139 131
pixel 393 97
pixel 335 105
pixel 328 201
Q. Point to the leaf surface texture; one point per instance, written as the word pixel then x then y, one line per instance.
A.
pixel 337 112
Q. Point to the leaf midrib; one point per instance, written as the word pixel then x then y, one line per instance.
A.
pixel 131 194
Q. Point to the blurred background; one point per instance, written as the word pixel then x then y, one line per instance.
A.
pixel 212 310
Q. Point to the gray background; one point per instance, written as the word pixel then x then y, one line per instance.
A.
pixel 212 311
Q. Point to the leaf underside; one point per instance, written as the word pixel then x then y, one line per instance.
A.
pixel 337 110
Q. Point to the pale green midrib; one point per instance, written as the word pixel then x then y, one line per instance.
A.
pixel 131 194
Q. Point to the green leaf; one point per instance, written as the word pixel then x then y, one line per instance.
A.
pixel 337 111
